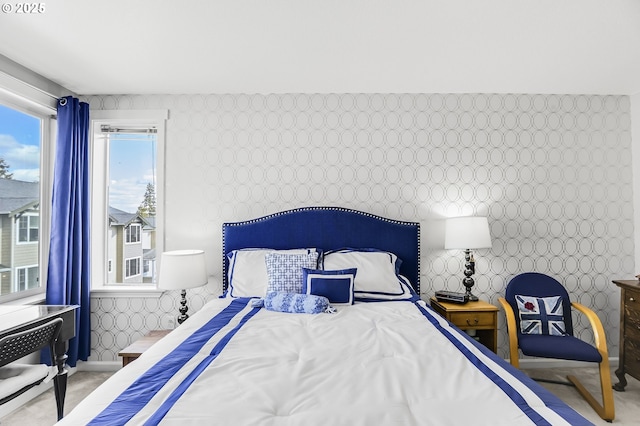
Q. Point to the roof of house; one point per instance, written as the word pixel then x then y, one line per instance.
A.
pixel 16 195
pixel 120 217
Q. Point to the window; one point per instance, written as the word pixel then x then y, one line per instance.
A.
pixel 127 191
pixel 24 145
pixel 132 267
pixel 133 233
pixel 28 229
pixel 27 278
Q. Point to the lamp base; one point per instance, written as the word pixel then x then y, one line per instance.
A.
pixel 472 297
pixel 183 307
pixel 470 269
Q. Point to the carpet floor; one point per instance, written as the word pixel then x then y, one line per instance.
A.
pixel 41 411
pixel 627 403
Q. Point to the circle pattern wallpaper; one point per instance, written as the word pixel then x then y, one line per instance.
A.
pixel 551 172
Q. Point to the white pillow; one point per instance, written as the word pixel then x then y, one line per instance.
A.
pixel 247 272
pixel 378 273
pixel 407 293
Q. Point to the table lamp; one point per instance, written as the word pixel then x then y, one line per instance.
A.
pixel 180 270
pixel 467 233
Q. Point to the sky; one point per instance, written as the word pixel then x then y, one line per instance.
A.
pixel 131 167
pixel 20 144
pixel 132 158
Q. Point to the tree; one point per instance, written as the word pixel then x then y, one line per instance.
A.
pixel 4 169
pixel 148 206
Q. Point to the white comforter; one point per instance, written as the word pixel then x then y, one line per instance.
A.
pixel 388 363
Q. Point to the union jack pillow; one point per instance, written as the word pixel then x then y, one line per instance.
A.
pixel 541 315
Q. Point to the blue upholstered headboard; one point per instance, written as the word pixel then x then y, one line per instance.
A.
pixel 327 228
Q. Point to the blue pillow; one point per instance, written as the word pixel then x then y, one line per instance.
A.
pixel 541 315
pixel 337 286
pixel 284 271
pixel 296 303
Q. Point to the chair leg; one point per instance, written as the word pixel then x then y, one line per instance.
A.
pixel 606 411
pixel 511 328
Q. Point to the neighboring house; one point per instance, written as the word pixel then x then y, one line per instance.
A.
pixel 131 248
pixel 19 235
pixel 149 249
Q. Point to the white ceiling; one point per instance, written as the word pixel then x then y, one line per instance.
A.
pixel 322 46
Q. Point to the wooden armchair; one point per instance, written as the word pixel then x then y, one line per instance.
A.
pixel 542 328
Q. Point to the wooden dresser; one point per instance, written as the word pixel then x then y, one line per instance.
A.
pixel 629 331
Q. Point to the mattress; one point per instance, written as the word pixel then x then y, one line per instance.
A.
pixel 383 363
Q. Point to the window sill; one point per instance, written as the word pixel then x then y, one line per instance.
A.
pixel 128 291
pixel 37 299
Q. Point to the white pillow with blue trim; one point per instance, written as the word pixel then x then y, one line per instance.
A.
pixel 337 286
pixel 247 271
pixel 541 315
pixel 284 270
pixel 378 273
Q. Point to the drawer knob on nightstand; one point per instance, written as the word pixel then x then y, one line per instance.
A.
pixel 631 299
pixel 475 321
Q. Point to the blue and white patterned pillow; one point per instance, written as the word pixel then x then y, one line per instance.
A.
pixel 337 286
pixel 296 303
pixel 541 315
pixel 285 270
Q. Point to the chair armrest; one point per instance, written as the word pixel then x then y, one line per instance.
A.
pixel 513 333
pixel 596 325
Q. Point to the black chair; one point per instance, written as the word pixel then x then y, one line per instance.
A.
pixel 16 379
pixel 524 301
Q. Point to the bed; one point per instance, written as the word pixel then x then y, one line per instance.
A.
pixel 381 358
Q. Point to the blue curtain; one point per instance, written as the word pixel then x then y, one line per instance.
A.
pixel 68 280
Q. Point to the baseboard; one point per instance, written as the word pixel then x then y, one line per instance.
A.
pixel 99 366
pixel 532 363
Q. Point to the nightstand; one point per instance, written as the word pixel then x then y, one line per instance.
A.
pixel 137 348
pixel 479 316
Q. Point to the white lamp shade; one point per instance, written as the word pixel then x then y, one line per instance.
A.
pixel 182 269
pixel 467 233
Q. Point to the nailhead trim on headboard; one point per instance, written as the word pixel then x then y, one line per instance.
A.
pixel 317 208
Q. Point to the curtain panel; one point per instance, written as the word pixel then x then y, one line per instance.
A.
pixel 68 280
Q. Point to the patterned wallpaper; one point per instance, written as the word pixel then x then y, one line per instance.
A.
pixel 552 173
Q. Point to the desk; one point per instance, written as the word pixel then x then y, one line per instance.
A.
pixel 15 318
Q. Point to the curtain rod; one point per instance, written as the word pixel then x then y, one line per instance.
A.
pixel 105 128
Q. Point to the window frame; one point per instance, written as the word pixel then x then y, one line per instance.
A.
pixel 127 266
pixel 128 234
pixel 99 170
pixel 26 269
pixel 27 216
pixel 47 115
